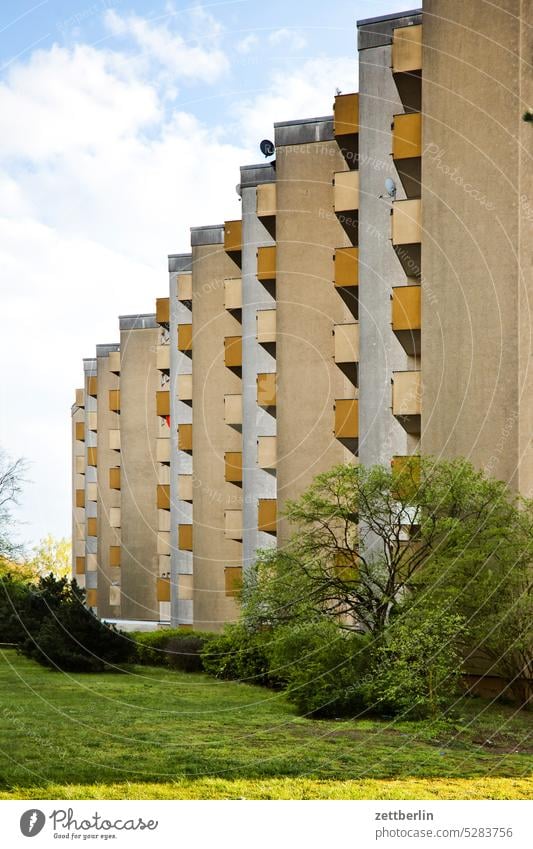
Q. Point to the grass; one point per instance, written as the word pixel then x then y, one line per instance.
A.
pixel 156 734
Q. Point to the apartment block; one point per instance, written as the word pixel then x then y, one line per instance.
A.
pixel 369 304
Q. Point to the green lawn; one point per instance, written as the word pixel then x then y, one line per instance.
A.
pixel 151 733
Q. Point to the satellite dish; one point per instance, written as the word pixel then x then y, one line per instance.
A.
pixel 238 189
pixel 267 148
pixel 390 187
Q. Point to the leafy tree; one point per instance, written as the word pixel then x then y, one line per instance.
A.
pixel 11 480
pixel 52 557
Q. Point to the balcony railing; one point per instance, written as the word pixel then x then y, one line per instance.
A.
pixel 114 555
pixel 184 287
pixel 346 114
pixel 233 293
pixel 92 456
pixel 185 488
pixel 185 537
pixel 233 237
pixel 266 200
pixel 407 136
pixel 407 234
pixel 80 498
pixel 233 352
pixel 406 399
pixel 162 358
pixel 267 509
pixel 185 338
pixel 92 386
pixel 346 268
pixel 346 343
pixel 80 398
pixel 233 409
pixel 162 311
pixel 185 437
pixel 347 419
pixel 267 452
pixel 91 418
pixel 185 387
pixel 233 466
pixel 92 527
pixel 163 589
pixel 346 191
pixel 266 264
pixel 114 440
pixel 266 327
pixel 79 431
pixel 406 474
pixel 162 450
pixel 406 317
pixel 233 524
pixel 163 403
pixel 114 400
pixel 266 389
pixel 407 49
pixel 114 478
pixel 163 496
pixel 114 362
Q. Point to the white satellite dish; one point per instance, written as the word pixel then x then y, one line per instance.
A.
pixel 390 187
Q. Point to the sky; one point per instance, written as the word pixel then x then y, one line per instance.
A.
pixel 122 124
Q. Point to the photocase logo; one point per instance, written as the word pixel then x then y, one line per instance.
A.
pixel 32 822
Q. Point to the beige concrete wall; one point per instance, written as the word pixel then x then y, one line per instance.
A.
pixel 139 381
pixel 307 233
pixel 476 325
pixel 212 437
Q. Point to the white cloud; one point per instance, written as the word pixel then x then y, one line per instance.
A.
pixel 247 44
pixel 288 38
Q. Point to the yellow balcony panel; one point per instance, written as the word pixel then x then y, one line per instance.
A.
pixel 233 524
pixel 184 287
pixel 162 311
pixel 233 237
pixel 267 509
pixel 163 589
pixel 91 598
pixel 266 263
pixel 185 338
pixel 80 565
pixel 407 49
pixel 406 222
pixel 92 527
pixel 233 409
pixel 163 496
pixel 92 386
pixel 347 419
pixel 233 293
pixel 266 326
pixel 162 450
pixel 346 267
pixel 406 474
pixel 346 191
pixel 80 398
pixel 346 343
pixel 266 200
pixel 114 477
pixel 346 114
pixel 406 317
pixel 163 403
pixel 233 351
pixel 266 389
pixel 267 452
pixel 114 555
pixel 185 437
pixel 114 362
pixel 233 466
pixel 406 399
pixel 185 488
pixel 114 517
pixel 92 456
pixel 185 537
pixel 185 387
pixel 232 580
pixel 79 430
pixel 114 439
pixel 92 420
pixel 407 136
pixel 114 400
pixel 162 357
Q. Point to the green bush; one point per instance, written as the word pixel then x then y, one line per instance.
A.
pixel 173 648
pixel 323 666
pixel 240 654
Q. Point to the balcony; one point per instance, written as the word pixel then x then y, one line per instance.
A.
pixel 185 388
pixel 91 492
pixel 185 537
pixel 267 452
pixel 232 581
pixel 185 437
pixel 163 496
pixel 162 311
pixel 266 206
pixel 346 191
pixel 114 362
pixel 114 478
pixel 233 294
pixel 266 327
pixel 346 349
pixel 266 264
pixel 266 390
pixel 162 358
pixel 346 114
pixel 91 418
pixel 92 456
pixel 347 419
pixel 163 589
pixel 114 555
pixel 233 466
pixel 162 450
pixel 114 400
pixel 114 517
pixel 185 338
pixel 80 465
pixel 233 239
pixel 407 50
pixel 233 352
pixel 162 399
pixel 406 317
pixel 80 398
pixel 80 565
pixel 92 527
pixel 407 234
pixel 114 440
pixel 92 386
pixel 91 598
pixel 405 471
pixel 185 487
pixel 184 288
pixel 267 509
pixel 233 524
pixel 80 498
pixel 407 136
pixel 79 431
pixel 114 596
pixel 406 399
pixel 233 410
pixel 346 268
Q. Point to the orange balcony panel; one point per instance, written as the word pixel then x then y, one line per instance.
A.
pixel 163 496
pixel 163 589
pixel 80 565
pixel 114 555
pixel 185 437
pixel 163 403
pixel 233 466
pixel 406 222
pixel 233 351
pixel 406 474
pixel 114 400
pixel 266 389
pixel 267 515
pixel 185 537
pixel 185 338
pixel 80 498
pixel 407 136
pixel 346 267
pixel 92 386
pixel 232 580
pixel 347 419
pixel 114 478
pixel 80 431
pixel 92 527
pixel 233 236
pixel 346 114
pixel 92 456
pixel 162 311
pixel 266 263
pixel 266 326
pixel 407 49
pixel 92 598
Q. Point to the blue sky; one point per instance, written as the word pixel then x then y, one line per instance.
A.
pixel 123 123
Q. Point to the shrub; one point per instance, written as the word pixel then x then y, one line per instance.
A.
pixel 171 647
pixel 240 654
